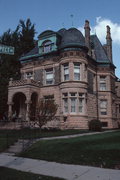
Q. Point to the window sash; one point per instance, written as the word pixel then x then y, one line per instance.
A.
pixel 103 107
pixel 102 86
pixel 65 105
pixel 76 72
pixel 80 105
pixel 49 77
pixel 73 104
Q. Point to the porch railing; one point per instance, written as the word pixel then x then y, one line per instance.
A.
pixel 23 82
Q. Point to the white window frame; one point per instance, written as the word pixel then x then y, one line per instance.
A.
pixel 103 86
pixel 103 107
pixel 77 71
pixel 47 46
pixel 49 72
pixel 29 75
pixel 66 72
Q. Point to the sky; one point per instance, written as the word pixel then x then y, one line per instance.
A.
pixel 56 14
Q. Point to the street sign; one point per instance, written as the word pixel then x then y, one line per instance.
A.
pixel 6 49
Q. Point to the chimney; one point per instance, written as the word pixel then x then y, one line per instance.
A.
pixel 87 36
pixel 109 44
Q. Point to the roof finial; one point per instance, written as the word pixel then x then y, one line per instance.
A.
pixel 63 25
pixel 72 18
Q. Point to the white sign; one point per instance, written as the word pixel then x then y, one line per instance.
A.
pixel 6 49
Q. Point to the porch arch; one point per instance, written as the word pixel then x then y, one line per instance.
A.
pixel 19 105
pixel 34 101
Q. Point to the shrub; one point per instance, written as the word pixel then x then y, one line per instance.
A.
pixel 95 125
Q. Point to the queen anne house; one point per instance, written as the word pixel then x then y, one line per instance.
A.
pixel 76 71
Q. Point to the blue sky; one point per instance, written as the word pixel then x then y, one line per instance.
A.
pixel 55 14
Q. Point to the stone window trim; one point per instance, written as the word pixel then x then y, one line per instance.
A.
pixel 103 83
pixel 77 69
pixel 65 72
pixel 73 103
pixel 103 103
pixel 29 75
pixel 49 76
pixel 47 46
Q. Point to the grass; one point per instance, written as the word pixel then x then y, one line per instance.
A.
pixel 101 150
pixel 11 174
pixel 8 137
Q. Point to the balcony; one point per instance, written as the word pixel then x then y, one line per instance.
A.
pixel 23 82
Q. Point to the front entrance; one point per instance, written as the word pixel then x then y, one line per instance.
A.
pixel 19 106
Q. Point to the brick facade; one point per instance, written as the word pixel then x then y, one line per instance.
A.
pixel 78 75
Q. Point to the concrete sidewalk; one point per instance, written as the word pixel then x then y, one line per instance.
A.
pixel 68 172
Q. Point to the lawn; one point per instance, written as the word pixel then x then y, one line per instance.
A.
pixel 11 174
pixel 101 150
pixel 8 137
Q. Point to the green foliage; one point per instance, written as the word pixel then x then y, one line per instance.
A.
pixel 102 150
pixel 95 125
pixel 12 174
pixel 23 41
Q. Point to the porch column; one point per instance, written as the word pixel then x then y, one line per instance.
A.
pixel 28 103
pixel 10 104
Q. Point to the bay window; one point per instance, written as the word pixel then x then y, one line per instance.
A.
pixel 77 71
pixel 66 72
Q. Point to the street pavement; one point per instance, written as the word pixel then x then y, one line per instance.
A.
pixel 65 171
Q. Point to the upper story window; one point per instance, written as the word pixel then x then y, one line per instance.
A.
pixel 49 76
pixel 29 75
pixel 102 83
pixel 103 107
pixel 77 71
pixel 66 72
pixel 47 46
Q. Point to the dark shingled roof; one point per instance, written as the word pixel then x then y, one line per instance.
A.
pixel 71 37
pixel 33 52
pixel 46 33
pixel 100 53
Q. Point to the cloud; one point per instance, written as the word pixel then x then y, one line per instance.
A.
pixel 100 30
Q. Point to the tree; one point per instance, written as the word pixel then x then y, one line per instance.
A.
pixel 23 41
pixel 27 33
pixel 45 112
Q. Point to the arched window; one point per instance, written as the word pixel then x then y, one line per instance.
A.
pixel 47 46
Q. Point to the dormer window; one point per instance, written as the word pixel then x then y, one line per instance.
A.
pixel 29 75
pixel 47 46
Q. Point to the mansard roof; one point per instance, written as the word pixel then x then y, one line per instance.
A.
pixel 71 38
pixel 99 51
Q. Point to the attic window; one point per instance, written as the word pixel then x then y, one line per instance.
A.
pixel 47 46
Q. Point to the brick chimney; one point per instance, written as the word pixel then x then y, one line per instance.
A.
pixel 109 44
pixel 87 36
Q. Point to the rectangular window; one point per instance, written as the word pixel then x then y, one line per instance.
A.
pixel 104 124
pixel 73 104
pixel 77 71
pixel 102 83
pixel 81 102
pixel 65 105
pixel 29 75
pixel 66 72
pixel 80 105
pixel 49 76
pixel 103 107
